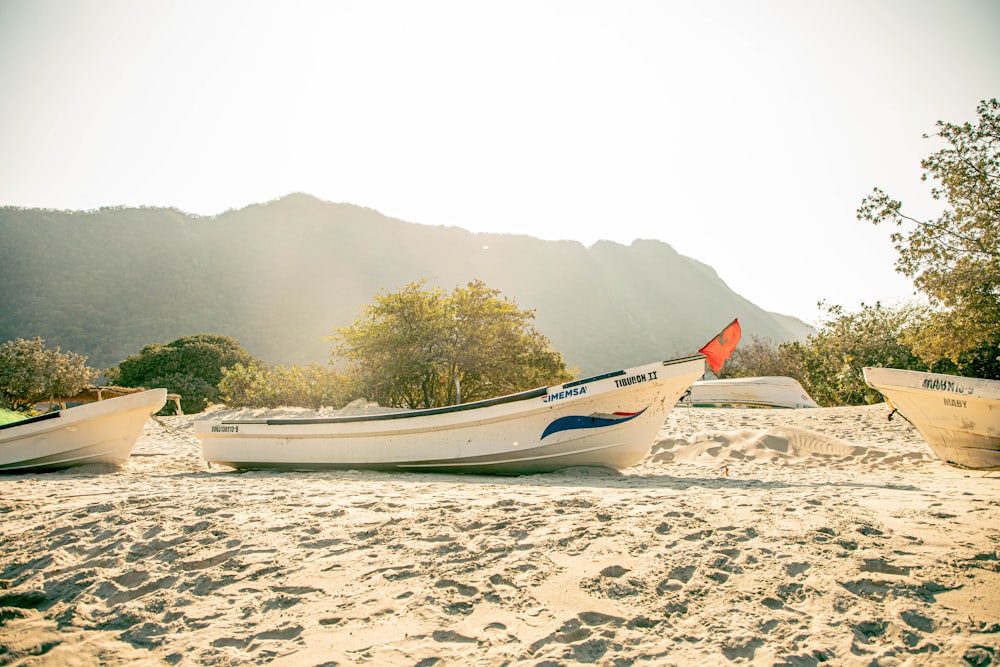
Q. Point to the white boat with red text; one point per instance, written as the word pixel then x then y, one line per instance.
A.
pixel 609 420
pixel 100 432
pixel 959 417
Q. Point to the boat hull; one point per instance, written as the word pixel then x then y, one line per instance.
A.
pixel 751 392
pixel 101 432
pixel 608 421
pixel 959 417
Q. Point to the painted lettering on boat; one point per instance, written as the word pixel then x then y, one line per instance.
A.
pixel 226 429
pixel 955 403
pixel 946 385
pixel 636 379
pixel 565 393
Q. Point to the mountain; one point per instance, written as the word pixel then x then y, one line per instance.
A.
pixel 280 276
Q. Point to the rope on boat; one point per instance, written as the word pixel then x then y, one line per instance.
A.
pixel 895 410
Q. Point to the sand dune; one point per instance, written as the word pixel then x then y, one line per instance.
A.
pixel 760 537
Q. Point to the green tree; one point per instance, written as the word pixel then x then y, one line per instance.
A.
pixel 424 347
pixel 30 373
pixel 955 259
pixel 833 358
pixel 191 366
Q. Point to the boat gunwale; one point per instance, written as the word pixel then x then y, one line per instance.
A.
pixel 98 427
pixel 81 414
pixel 402 414
pixel 983 388
pixel 32 420
pixel 738 403
pixel 427 412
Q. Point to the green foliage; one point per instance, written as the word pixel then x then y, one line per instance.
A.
pixel 9 417
pixel 257 386
pixel 30 373
pixel 412 347
pixel 246 386
pixel 955 259
pixel 833 358
pixel 191 366
pixel 765 357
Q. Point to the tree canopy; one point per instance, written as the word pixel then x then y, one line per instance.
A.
pixel 419 348
pixel 191 366
pixel 955 259
pixel 30 373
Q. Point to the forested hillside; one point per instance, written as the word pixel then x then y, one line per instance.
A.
pixel 280 276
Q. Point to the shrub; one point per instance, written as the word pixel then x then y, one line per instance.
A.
pixel 764 357
pixel 191 366
pixel 30 373
pixel 311 386
pixel 834 357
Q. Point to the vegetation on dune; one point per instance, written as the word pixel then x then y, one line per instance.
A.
pixel 262 386
pixel 413 348
pixel 829 364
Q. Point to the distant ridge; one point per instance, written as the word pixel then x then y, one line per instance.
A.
pixel 279 276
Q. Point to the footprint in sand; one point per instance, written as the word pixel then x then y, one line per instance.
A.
pixel 866 631
pixel 881 566
pixel 462 589
pixel 282 634
pixel 451 637
pixel 676 579
pixel 918 621
pixel 795 569
pixel 612 583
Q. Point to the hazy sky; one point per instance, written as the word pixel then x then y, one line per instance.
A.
pixel 743 133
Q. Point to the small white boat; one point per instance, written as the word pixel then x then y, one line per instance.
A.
pixel 609 420
pixel 959 417
pixel 100 432
pixel 752 392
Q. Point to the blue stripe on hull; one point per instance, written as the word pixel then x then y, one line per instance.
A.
pixel 574 422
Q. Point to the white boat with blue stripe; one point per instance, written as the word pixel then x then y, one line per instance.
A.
pixel 609 420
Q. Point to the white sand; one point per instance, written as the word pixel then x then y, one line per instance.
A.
pixel 835 538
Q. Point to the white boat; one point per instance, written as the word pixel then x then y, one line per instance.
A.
pixel 752 392
pixel 959 417
pixel 100 432
pixel 609 420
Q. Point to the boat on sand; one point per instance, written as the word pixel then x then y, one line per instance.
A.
pixel 100 432
pixel 959 417
pixel 609 420
pixel 751 392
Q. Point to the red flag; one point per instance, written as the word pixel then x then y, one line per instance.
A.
pixel 719 348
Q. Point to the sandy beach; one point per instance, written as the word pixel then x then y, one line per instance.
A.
pixel 747 537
